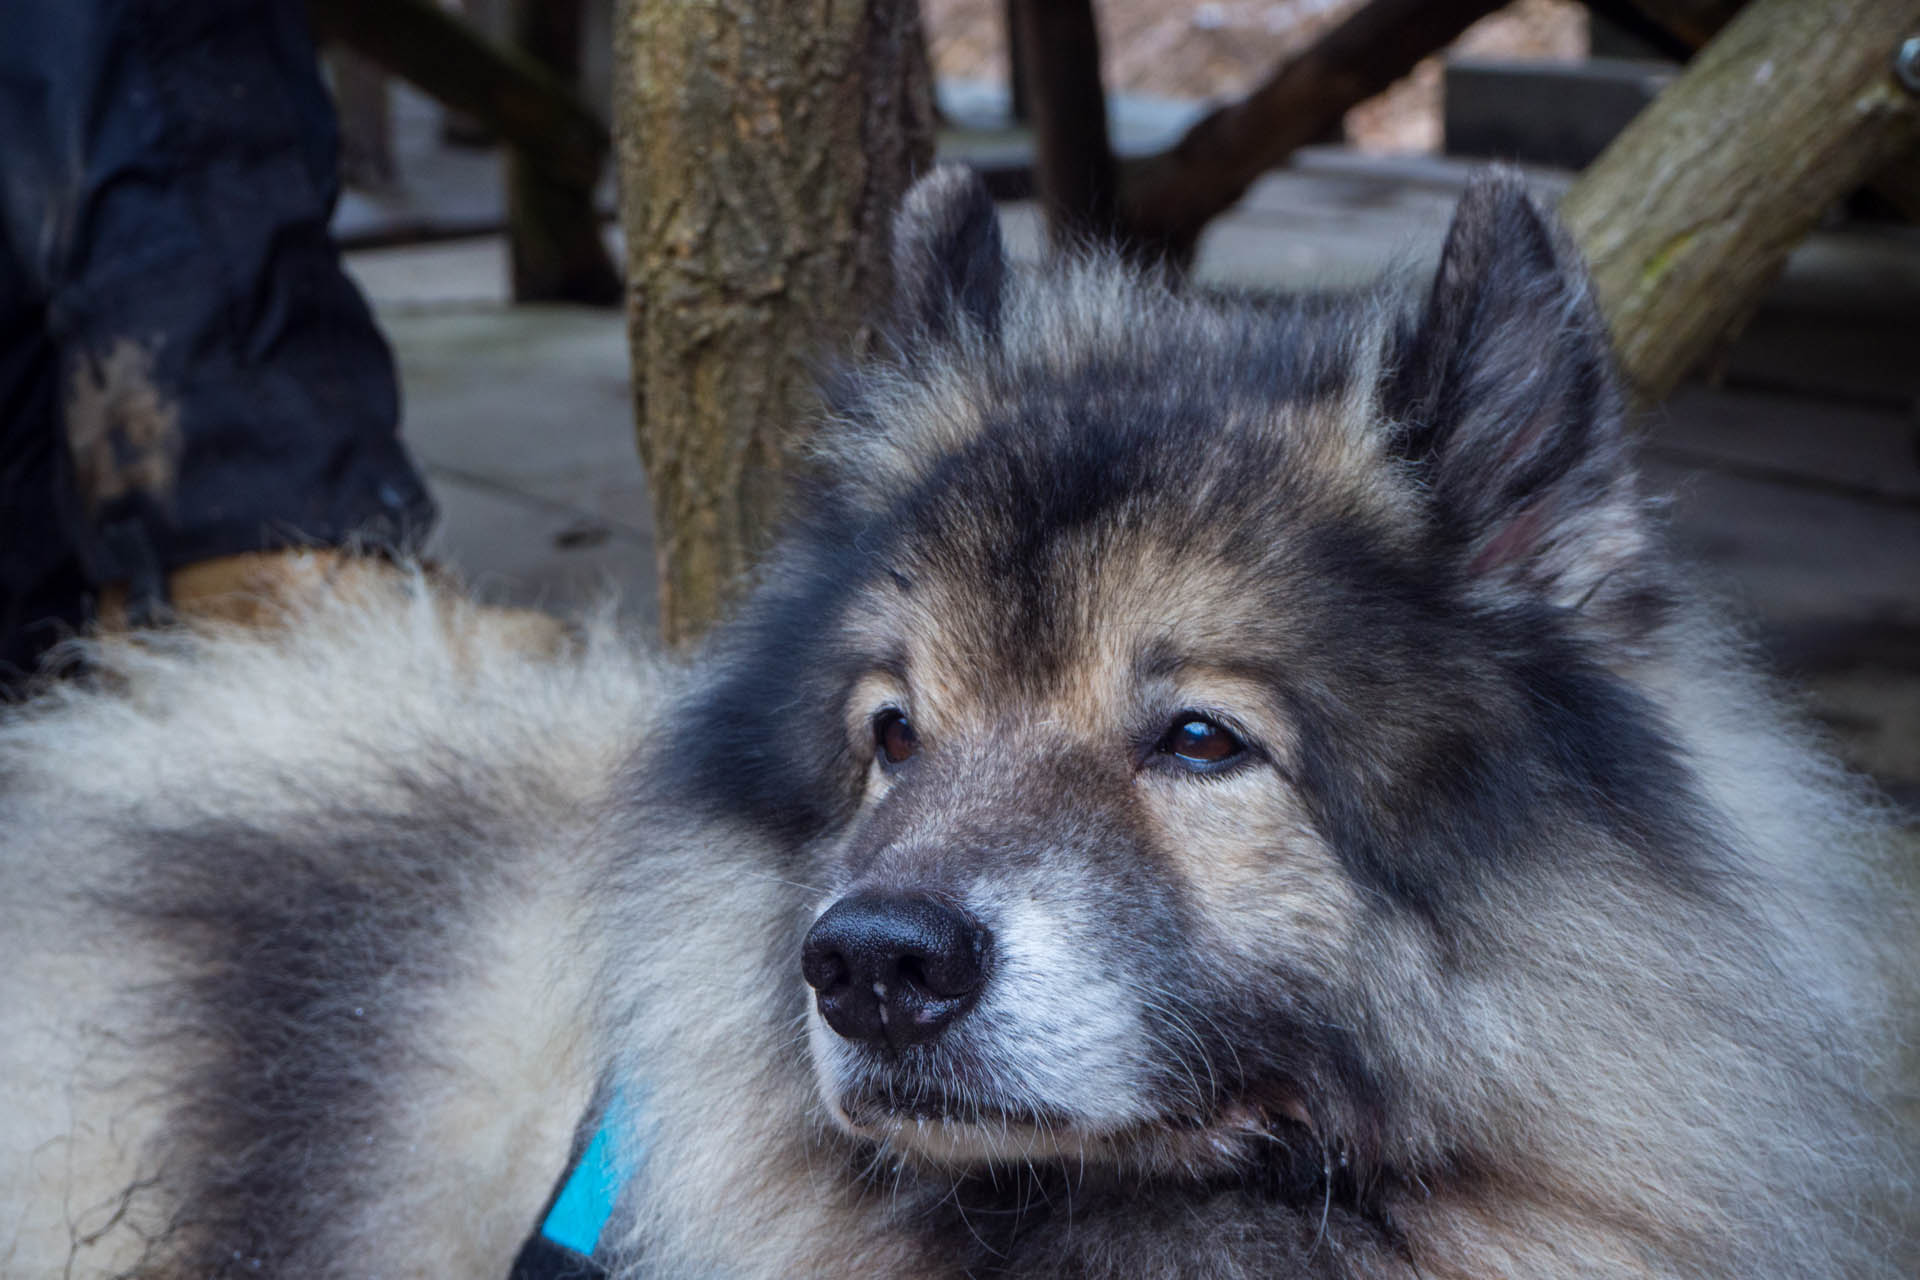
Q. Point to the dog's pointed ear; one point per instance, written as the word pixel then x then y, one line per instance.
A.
pixel 1506 403
pixel 949 264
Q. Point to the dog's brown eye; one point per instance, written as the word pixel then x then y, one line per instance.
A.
pixel 893 737
pixel 1197 740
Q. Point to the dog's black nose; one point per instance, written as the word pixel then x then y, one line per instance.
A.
pixel 894 969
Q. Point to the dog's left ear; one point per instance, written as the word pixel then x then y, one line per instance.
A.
pixel 949 264
pixel 1506 403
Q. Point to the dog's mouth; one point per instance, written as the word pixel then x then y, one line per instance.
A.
pixel 876 1107
pixel 954 1127
pixel 910 1053
pixel 951 1127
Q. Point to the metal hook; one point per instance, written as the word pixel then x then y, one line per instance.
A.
pixel 1906 64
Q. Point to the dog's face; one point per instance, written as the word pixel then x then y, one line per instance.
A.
pixel 1151 687
pixel 1079 872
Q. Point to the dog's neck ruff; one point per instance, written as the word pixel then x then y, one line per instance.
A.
pixel 566 1245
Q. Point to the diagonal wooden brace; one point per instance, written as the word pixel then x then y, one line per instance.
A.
pixel 1692 211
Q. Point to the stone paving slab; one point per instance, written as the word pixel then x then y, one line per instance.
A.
pixel 1797 559
pixel 469 273
pixel 532 398
pixel 522 420
pixel 1856 450
pixel 515 550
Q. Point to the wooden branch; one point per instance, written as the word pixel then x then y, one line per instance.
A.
pixel 1691 212
pixel 1167 199
pixel 513 94
pixel 1691 23
pixel 1059 48
pixel 763 147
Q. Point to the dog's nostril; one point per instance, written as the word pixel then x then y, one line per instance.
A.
pixel 824 969
pixel 894 969
pixel 913 972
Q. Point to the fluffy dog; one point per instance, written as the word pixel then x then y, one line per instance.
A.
pixel 1202 787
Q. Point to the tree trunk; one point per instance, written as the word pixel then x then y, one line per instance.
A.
pixel 553 229
pixel 762 145
pixel 1691 212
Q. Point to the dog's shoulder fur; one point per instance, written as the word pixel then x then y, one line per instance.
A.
pixel 295 978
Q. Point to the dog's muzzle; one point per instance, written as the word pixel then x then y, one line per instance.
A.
pixel 895 970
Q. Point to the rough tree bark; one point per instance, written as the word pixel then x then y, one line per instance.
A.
pixel 1691 212
pixel 762 145
pixel 1686 25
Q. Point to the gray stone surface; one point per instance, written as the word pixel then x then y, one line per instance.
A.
pixel 522 420
pixel 513 549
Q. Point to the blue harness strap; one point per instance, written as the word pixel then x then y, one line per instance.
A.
pixel 569 1234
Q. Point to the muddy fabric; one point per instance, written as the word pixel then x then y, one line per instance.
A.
pixel 185 371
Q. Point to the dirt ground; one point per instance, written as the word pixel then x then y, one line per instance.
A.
pixel 1221 48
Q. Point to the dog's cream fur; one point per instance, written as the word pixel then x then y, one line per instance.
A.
pixel 289 726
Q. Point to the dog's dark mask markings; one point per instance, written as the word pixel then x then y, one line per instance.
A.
pixel 1013 529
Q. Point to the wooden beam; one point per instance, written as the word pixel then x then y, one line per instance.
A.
pixel 505 89
pixel 1168 199
pixel 1691 23
pixel 555 253
pixel 1691 212
pixel 1058 44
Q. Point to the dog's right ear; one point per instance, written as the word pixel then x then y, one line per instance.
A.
pixel 949 265
pixel 1509 411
